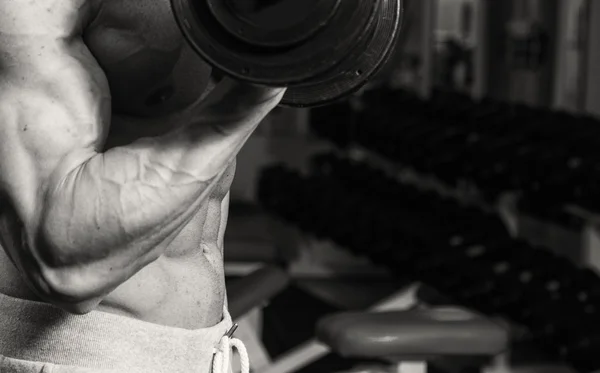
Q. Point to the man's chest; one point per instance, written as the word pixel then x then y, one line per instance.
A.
pixel 150 68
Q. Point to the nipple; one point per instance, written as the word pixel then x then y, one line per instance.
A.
pixel 160 96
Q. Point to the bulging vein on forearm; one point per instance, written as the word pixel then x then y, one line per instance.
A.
pixel 120 204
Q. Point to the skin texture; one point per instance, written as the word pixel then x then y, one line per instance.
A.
pixel 115 163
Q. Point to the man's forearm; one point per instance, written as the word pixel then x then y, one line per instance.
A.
pixel 108 215
pixel 112 217
pixel 124 203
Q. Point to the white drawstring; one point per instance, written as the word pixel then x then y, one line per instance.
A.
pixel 222 357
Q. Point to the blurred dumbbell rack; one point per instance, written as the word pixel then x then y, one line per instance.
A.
pixel 545 161
pixel 464 252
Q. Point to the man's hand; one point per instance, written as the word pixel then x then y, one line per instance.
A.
pixel 221 122
pixel 231 99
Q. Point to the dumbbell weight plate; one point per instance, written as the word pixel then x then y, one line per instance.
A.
pixel 370 54
pixel 326 52
pixel 296 21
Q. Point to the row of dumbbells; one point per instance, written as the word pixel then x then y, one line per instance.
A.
pixel 549 157
pixel 547 128
pixel 464 253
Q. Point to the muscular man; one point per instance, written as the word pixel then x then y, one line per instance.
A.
pixel 115 168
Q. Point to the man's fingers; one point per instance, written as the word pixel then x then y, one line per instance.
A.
pixel 231 98
pixel 227 118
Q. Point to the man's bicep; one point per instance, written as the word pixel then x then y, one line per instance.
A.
pixel 42 18
pixel 53 116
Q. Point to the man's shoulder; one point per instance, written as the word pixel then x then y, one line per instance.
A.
pixel 37 18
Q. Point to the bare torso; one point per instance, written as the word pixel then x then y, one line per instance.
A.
pixel 153 73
